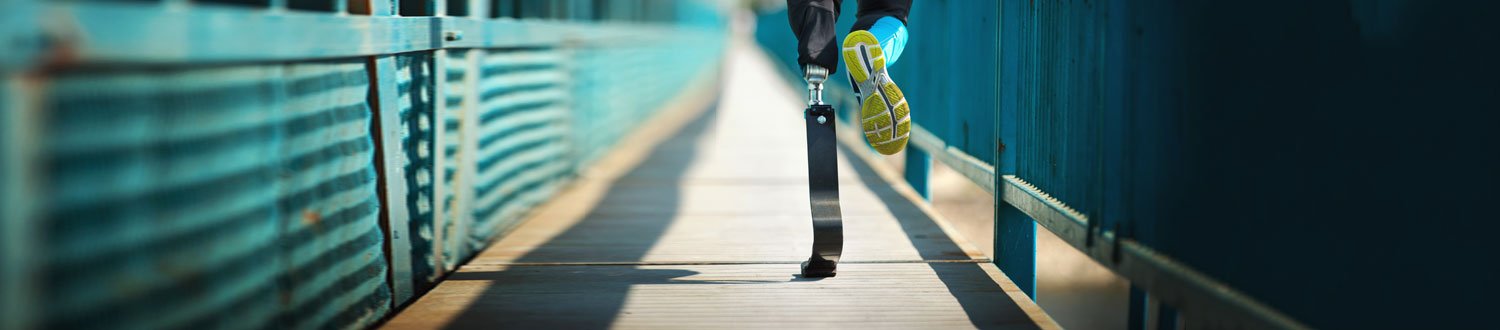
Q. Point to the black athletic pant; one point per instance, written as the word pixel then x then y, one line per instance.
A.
pixel 812 22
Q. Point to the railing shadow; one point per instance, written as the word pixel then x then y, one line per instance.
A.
pixel 550 297
pixel 582 278
pixel 984 301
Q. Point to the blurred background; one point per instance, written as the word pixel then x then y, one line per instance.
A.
pixel 323 163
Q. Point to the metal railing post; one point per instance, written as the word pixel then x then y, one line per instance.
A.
pixel 918 169
pixel 1015 233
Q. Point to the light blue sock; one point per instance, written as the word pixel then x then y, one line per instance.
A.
pixel 892 35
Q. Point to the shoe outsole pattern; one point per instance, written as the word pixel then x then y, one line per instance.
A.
pixel 885 116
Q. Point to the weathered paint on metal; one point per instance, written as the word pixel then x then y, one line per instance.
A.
pixel 441 197
pixel 17 228
pixel 331 232
pixel 416 90
pixel 520 140
pixel 461 120
pixel 395 216
pixel 143 159
pixel 144 170
pixel 455 159
pixel 243 188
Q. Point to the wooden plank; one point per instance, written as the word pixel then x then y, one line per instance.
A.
pixel 630 245
pixel 863 296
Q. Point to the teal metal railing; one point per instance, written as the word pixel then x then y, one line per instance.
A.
pixel 1249 164
pixel 304 164
pixel 1012 95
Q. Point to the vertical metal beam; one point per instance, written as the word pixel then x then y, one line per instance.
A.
pixel 468 147
pixel 1015 246
pixel 386 130
pixel 394 216
pixel 479 9
pixel 918 168
pixel 1015 233
pixel 1138 310
pixel 439 159
pixel 1166 317
pixel 19 121
pixel 17 223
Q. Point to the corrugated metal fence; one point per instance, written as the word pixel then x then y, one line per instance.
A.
pixel 303 164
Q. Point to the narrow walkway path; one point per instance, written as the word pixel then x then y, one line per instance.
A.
pixel 700 220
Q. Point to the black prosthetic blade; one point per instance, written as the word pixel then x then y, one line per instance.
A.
pixel 823 183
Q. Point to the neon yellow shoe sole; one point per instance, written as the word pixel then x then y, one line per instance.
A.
pixel 885 116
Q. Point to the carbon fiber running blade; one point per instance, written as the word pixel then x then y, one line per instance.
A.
pixel 823 185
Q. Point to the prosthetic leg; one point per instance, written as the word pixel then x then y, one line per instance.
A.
pixel 823 179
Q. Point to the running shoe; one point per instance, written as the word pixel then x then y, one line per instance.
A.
pixel 884 114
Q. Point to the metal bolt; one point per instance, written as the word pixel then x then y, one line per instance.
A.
pixel 453 35
pixel 822 120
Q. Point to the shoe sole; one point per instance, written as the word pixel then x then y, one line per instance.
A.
pixel 885 116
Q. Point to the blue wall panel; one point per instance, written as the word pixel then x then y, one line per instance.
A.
pixel 1329 158
pixel 1263 146
pixel 1059 107
pixel 331 233
pixel 247 189
pixel 521 135
pixel 456 220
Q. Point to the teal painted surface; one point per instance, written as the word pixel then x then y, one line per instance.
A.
pixel 236 193
pixel 521 136
pixel 519 121
pixel 416 89
pixel 15 235
pixel 627 80
pixel 456 220
pixel 245 190
pixel 1263 155
pixel 335 264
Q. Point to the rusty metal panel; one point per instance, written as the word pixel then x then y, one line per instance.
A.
pixel 162 186
pixel 205 190
pixel 179 182
pixel 332 241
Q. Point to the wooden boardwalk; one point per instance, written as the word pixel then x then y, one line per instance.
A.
pixel 700 220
